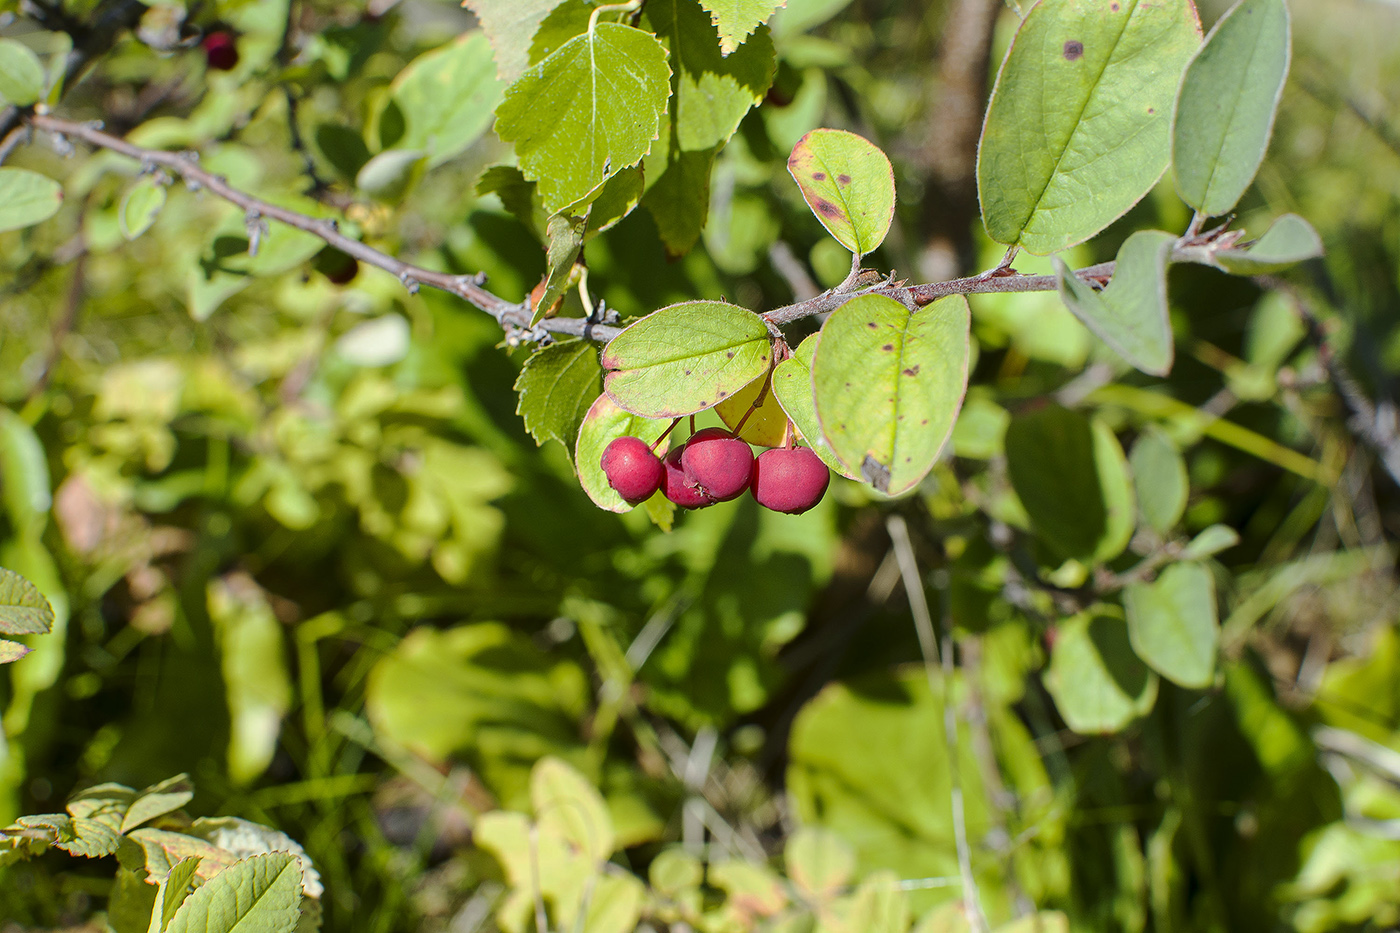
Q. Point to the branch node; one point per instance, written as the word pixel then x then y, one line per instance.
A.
pixel 257 229
pixel 409 282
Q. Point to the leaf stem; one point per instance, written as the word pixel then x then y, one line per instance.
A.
pixel 631 7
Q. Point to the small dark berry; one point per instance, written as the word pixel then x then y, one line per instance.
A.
pixel 680 490
pixel 632 469
pixel 790 480
pixel 718 462
pixel 220 51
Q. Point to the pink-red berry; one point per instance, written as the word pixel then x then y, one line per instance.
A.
pixel 718 462
pixel 678 488
pixel 632 469
pixel 789 480
pixel 220 51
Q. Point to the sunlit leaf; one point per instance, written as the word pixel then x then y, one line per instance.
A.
pixel 261 894
pixel 888 384
pixel 819 862
pixel 685 358
pixel 1078 127
pixel 736 19
pixel 792 386
pixel 1210 542
pixel 11 651
pixel 766 425
pixel 446 97
pixel 848 183
pixel 567 805
pixel 141 207
pixel 254 665
pixel 1130 315
pixel 510 25
pixel 21 74
pixel 173 890
pixel 591 108
pixel 604 423
pixel 158 800
pixel 1226 106
pixel 23 609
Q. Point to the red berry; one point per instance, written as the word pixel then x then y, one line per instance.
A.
pixel 220 51
pixel 789 480
pixel 632 469
pixel 718 462
pixel 678 488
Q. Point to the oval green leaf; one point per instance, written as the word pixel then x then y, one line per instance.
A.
pixel 23 609
pixel 1173 625
pixel 1159 476
pixel 591 108
pixel 1130 315
pixel 1078 127
pixel 1072 478
pixel 141 207
pixel 848 183
pixel 792 386
pixel 1210 542
pixel 261 894
pixel 21 74
pixel 1225 109
pixel 1290 240
pixel 686 358
pixel 603 424
pixel 1099 685
pixel 888 384
pixel 27 198
pixel 447 97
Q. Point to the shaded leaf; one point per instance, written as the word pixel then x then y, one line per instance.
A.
pixel 888 384
pixel 1289 241
pixel 171 894
pixel 1078 126
pixel 591 108
pixel 848 183
pixel 685 358
pixel 158 800
pixel 1173 625
pixel 1227 102
pixel 1098 683
pixel 564 237
pixel 27 198
pixel 678 196
pixel 1072 478
pixel 510 25
pixel 390 175
pixel 557 386
pixel 1130 315
pixel 261 894
pixel 1159 476
pixel 604 423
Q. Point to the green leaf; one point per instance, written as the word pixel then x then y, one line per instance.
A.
pixel 1290 240
pixel 880 906
pixel 1226 105
pixel 254 666
pixel 27 198
pixel 735 19
pixel 261 894
pixel 241 838
pixel 557 386
pixel 1078 126
pixel 711 91
pixel 510 25
pixel 171 894
pixel 483 692
pixel 11 651
pixel 1159 476
pixel 565 239
pixel 141 207
pixel 25 483
pixel 568 806
pixel 1072 478
pixel 848 183
pixel 158 800
pixel 611 203
pixel 1099 685
pixel 685 358
pixel 23 609
pixel 604 423
pixel 792 386
pixel 164 849
pixel 21 74
pixel 447 97
pixel 82 836
pixel 390 175
pixel 1130 315
pixel 819 862
pixel 1173 625
pixel 590 109
pixel 1210 542
pixel 678 194
pixel 888 384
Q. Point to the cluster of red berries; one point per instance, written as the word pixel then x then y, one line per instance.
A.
pixel 715 466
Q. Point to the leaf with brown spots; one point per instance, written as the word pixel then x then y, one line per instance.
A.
pixel 848 183
pixel 888 413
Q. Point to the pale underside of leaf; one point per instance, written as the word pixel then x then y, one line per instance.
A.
pixel 1131 314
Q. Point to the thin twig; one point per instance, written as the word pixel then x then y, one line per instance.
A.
pixel 923 626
